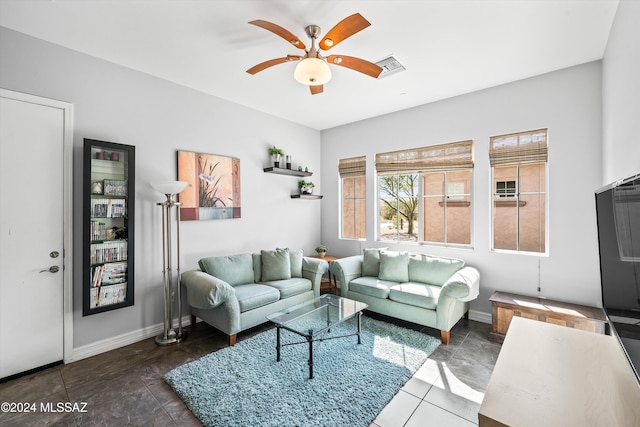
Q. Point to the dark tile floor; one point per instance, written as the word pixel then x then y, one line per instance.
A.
pixel 125 386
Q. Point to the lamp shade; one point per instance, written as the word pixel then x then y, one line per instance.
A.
pixel 173 187
pixel 312 72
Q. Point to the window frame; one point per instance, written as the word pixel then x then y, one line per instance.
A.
pixel 352 168
pixel 420 194
pixel 516 200
pixel 341 235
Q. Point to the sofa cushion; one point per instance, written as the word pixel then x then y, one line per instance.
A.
pixel 235 269
pixel 371 262
pixel 295 258
pixel 276 265
pixel 416 294
pixel 394 266
pixel 432 270
pixel 255 295
pixel 372 286
pixel 290 287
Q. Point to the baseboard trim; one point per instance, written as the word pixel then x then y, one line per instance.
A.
pixel 116 342
pixel 480 316
pixel 133 337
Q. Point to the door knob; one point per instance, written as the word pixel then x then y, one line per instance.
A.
pixel 52 269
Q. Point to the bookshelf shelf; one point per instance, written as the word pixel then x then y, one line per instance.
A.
pixel 108 226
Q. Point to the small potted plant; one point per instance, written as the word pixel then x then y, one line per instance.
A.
pixel 306 187
pixel 321 250
pixel 276 153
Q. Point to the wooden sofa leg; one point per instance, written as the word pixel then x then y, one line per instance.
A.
pixel 445 335
pixel 232 340
pixel 192 326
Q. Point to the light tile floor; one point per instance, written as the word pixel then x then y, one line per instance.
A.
pixel 125 386
pixel 448 389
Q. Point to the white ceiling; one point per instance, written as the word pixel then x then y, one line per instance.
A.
pixel 449 47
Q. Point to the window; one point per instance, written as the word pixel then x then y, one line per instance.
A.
pixel 506 188
pixel 447 207
pixel 519 163
pixel 354 197
pixel 424 194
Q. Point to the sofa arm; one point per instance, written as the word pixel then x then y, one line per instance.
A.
pixel 346 269
pixel 313 269
pixel 204 290
pixel 464 285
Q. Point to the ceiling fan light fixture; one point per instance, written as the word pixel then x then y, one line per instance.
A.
pixel 312 72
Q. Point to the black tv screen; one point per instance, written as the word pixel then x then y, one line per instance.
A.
pixel 618 215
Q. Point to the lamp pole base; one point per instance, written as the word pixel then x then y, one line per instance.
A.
pixel 172 338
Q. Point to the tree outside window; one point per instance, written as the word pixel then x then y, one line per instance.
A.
pixel 398 207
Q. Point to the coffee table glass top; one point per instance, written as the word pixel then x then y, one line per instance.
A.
pixel 316 316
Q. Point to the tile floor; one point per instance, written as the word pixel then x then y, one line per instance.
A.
pixel 125 386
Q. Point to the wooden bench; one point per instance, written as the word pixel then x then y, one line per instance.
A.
pixel 504 306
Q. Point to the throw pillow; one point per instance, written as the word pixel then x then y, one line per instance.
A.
pixel 276 265
pixel 394 266
pixel 371 262
pixel 235 269
pixel 295 256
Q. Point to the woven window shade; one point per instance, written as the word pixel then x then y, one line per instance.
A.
pixel 457 155
pixel 354 166
pixel 518 148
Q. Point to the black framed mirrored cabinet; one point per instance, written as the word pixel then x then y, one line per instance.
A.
pixel 108 226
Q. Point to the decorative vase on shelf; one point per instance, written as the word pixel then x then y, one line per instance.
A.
pixel 321 254
pixel 276 160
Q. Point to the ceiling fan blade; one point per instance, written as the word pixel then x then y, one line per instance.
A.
pixel 278 30
pixel 357 64
pixel 316 89
pixel 344 29
pixel 270 63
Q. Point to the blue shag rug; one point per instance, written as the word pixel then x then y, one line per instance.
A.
pixel 245 386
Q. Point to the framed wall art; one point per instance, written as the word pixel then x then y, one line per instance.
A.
pixel 213 186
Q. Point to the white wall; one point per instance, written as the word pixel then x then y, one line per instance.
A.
pixel 621 95
pixel 568 103
pixel 117 104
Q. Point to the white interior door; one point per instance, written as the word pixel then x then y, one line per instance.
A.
pixel 32 289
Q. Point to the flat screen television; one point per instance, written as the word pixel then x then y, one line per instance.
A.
pixel 618 214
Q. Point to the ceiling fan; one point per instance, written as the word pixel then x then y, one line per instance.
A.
pixel 312 70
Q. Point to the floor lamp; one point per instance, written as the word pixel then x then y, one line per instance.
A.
pixel 171 286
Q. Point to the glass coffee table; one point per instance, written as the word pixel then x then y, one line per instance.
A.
pixel 314 319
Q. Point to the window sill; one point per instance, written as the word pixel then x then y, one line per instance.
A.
pixel 508 203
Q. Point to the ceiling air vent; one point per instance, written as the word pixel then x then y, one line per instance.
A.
pixel 390 65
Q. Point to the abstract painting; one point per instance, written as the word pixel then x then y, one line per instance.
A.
pixel 213 186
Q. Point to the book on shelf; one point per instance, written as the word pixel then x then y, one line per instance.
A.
pixel 109 251
pixel 109 274
pixel 107 295
pixel 108 208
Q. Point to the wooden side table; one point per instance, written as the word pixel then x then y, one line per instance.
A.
pixel 332 284
pixel 505 306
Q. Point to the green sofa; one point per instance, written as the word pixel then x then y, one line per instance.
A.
pixel 235 293
pixel 427 290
